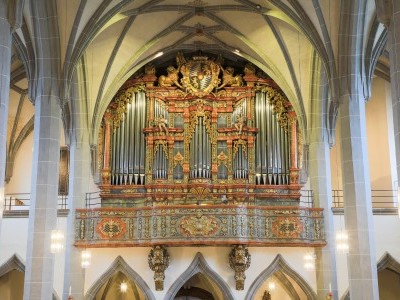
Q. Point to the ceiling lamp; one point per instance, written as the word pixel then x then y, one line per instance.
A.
pixel 57 241
pixel 158 54
pixel 86 258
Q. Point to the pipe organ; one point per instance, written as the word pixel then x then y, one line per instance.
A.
pixel 200 133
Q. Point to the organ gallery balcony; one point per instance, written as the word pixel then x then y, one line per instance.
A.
pixel 220 224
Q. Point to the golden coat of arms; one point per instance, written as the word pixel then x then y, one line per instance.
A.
pixel 200 76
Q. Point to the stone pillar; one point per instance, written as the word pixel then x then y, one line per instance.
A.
pixel 394 42
pixel 5 63
pixel 74 274
pixel 39 271
pixel 320 179
pixel 361 261
pixel 44 192
pixel 79 180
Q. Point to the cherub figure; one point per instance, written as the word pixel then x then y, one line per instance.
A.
pixel 162 124
pixel 240 120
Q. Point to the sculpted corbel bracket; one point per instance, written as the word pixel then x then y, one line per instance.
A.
pixel 158 262
pixel 239 261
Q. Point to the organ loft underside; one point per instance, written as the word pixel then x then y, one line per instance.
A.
pixel 200 151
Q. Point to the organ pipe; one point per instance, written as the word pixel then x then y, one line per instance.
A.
pixel 200 151
pixel 128 145
pixel 273 157
pixel 272 144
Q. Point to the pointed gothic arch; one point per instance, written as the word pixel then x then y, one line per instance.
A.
pixel 119 265
pixel 277 268
pixel 15 263
pixel 199 265
pixel 386 262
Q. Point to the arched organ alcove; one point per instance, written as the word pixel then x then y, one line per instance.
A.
pixel 199 134
pixel 196 152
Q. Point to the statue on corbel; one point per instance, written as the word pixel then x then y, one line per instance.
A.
pixel 240 122
pixel 239 261
pixel 162 124
pixel 158 262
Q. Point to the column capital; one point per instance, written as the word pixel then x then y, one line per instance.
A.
pixel 12 12
pixel 384 11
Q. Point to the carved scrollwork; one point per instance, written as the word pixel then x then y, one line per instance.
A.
pixel 119 104
pixel 239 261
pixel 164 146
pixel 236 145
pixel 282 107
pixel 158 262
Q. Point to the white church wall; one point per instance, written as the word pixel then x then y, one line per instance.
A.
pixel 14 239
pixel 20 182
pixel 378 137
pixel 181 258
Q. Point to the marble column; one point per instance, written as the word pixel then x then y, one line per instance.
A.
pixel 5 63
pixel 320 180
pixel 361 261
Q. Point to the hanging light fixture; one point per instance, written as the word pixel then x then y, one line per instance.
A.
pixel 342 241
pixel 309 261
pixel 123 287
pixel 86 258
pixel 57 241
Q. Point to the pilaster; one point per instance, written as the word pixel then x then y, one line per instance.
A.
pixel 320 180
pixel 5 63
pixel 363 282
pixel 394 42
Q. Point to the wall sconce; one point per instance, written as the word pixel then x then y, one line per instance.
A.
pixel 86 257
pixel 57 241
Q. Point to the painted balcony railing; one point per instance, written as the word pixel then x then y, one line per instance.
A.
pixel 199 225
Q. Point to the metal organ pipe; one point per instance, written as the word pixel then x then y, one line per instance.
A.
pixel 137 139
pixel 134 145
pixel 142 112
pixel 113 156
pixel 127 160
pixel 264 116
pixel 277 153
pixel 272 146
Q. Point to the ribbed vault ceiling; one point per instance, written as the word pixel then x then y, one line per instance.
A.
pixel 112 39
